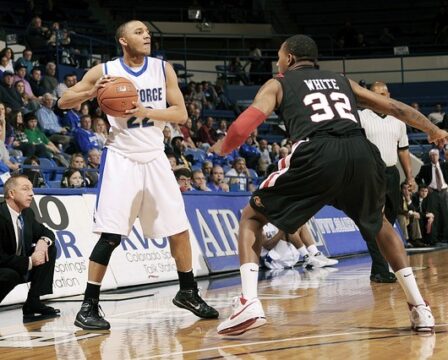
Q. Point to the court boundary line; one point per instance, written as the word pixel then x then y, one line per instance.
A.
pixel 267 342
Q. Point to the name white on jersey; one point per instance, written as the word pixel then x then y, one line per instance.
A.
pixel 139 139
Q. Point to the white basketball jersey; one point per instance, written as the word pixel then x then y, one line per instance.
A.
pixel 140 139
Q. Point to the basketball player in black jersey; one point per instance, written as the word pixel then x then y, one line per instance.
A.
pixel 331 163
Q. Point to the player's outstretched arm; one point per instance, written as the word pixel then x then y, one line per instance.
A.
pixel 265 102
pixel 176 111
pixel 85 89
pixel 405 113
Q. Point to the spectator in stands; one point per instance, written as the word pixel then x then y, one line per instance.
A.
pixel 216 182
pixel 348 35
pixel 222 127
pixel 19 140
pixel 93 163
pixel 3 65
pixel 386 38
pixel 256 65
pixel 206 134
pixel 49 122
pixel 36 136
pixel 188 133
pixel 175 130
pixel 36 37
pixel 238 177
pixel 409 218
pixel 69 81
pixel 210 94
pixel 223 102
pixel 8 93
pixel 207 167
pixel 178 149
pixel 8 63
pixel 5 163
pixel 35 81
pixel 265 157
pixel 34 173
pixel 421 204
pixel 275 152
pixel 435 176
pixel 437 115
pixel 26 60
pixel 101 131
pixel 71 119
pixel 198 181
pixel 167 140
pixel 85 138
pixel 77 163
pixel 283 152
pixel 183 177
pixel 237 69
pixel 156 52
pixel 250 153
pixel 199 97
pixel 29 104
pixel 73 179
pixel 49 82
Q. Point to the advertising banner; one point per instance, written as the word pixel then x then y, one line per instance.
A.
pixel 340 233
pixel 214 219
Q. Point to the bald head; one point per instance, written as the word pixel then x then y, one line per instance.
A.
pixel 380 88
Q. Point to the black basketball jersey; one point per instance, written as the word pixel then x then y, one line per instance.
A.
pixel 317 101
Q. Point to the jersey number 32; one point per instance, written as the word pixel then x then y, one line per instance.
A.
pixel 326 105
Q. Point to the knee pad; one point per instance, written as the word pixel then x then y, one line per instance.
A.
pixel 103 249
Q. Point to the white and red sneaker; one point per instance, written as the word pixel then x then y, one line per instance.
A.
pixel 421 318
pixel 246 315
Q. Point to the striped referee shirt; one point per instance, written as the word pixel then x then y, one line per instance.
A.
pixel 387 133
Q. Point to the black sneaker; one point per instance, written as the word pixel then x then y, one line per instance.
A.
pixel 383 278
pixel 89 317
pixel 192 301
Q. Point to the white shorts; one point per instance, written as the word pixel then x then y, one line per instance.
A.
pixel 127 189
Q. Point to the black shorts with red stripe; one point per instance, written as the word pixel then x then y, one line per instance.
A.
pixel 345 171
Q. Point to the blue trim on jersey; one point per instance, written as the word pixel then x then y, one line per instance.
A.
pixel 105 68
pixel 130 71
pixel 100 177
pixel 163 68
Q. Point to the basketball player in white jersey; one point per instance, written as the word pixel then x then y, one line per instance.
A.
pixel 136 177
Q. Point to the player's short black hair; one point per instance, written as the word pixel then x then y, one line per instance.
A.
pixel 302 47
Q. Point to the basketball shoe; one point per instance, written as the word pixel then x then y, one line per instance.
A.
pixel 191 300
pixel 327 261
pixel 312 262
pixel 421 318
pixel 246 315
pixel 90 318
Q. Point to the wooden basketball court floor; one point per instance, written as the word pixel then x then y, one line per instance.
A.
pixel 321 314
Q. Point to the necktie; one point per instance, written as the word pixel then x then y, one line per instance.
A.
pixel 21 250
pixel 438 179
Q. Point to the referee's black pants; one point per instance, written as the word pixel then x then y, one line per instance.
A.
pixel 379 264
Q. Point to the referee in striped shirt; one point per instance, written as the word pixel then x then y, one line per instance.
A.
pixel 389 135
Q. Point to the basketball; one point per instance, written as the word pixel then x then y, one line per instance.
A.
pixel 117 97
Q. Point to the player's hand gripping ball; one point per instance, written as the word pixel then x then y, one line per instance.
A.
pixel 117 96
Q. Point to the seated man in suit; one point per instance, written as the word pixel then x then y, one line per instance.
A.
pixel 27 248
pixel 435 176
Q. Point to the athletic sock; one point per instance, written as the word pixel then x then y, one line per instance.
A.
pixel 186 280
pixel 303 251
pixel 407 281
pixel 313 250
pixel 249 280
pixel 92 290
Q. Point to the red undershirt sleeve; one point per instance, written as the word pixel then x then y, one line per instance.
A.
pixel 242 127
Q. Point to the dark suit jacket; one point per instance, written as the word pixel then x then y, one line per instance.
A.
pixel 425 174
pixel 33 231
